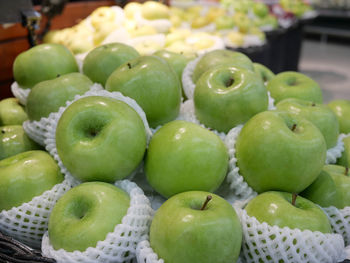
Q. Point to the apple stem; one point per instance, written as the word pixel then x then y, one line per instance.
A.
pixel 313 104
pixel 58 75
pixel 209 197
pixel 129 65
pixel 2 131
pixel 294 198
pixel 294 127
pixel 229 82
pixel 346 170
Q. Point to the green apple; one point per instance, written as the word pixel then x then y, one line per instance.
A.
pixel 224 22
pixel 277 209
pixel 294 85
pixel 280 151
pixel 13 140
pixel 226 96
pixel 12 112
pixel 26 175
pixel 48 96
pixel 331 188
pixel 86 214
pixel 260 9
pixel 100 139
pixel 221 57
pixel 243 22
pixel 345 157
pixel 153 83
pixel 265 73
pixel 176 60
pixel 43 62
pixel 154 10
pixel 100 63
pixel 184 230
pixel 342 109
pixel 320 115
pixel 183 156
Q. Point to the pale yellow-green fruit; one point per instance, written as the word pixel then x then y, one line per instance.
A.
pixel 154 10
pixel 182 48
pixel 131 9
pixel 177 35
pixel 236 38
pixel 103 31
pixel 142 31
pixel 200 41
pixel 175 20
pixel 102 15
pixel 215 12
pixel 199 22
pixel 130 25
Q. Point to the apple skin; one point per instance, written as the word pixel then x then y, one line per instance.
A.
pixel 48 96
pixel 271 156
pixel 100 139
pixel 154 10
pixel 100 63
pixel 260 9
pixel 331 188
pixel 13 140
pixel 224 22
pixel 320 115
pixel 344 160
pixel 221 57
pixel 183 156
pixel 86 214
pixel 276 209
pixel 265 73
pixel 223 107
pixel 12 112
pixel 26 175
pixel 182 233
pixel 342 109
pixel 153 83
pixel 43 62
pixel 291 84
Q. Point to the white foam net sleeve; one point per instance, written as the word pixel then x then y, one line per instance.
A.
pixel 334 153
pixel 340 221
pixel 28 222
pixel 36 130
pixel 145 254
pixel 52 121
pixel 187 113
pixel 161 25
pixel 187 82
pixel 271 105
pixel 238 185
pixel 19 93
pixel 119 245
pixel 265 243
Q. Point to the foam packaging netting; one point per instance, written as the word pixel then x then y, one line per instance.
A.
pixel 20 93
pixel 119 245
pixel 28 222
pixel 334 153
pixel 265 243
pixel 188 85
pixel 52 121
pixel 340 221
pixel 36 130
pixel 240 188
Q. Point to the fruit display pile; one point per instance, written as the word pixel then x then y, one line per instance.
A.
pixel 167 159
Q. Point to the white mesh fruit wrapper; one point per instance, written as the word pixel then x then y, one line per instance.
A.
pixel 188 85
pixel 334 153
pixel 119 245
pixel 265 243
pixel 36 129
pixel 147 45
pixel 340 221
pixel 20 93
pixel 187 114
pixel 52 121
pixel 28 222
pixel 80 60
pixel 238 185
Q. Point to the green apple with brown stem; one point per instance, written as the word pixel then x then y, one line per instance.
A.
pixel 342 109
pixel 196 227
pixel 264 72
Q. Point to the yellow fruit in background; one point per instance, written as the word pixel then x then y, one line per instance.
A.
pixel 200 41
pixel 102 15
pixel 236 38
pixel 199 22
pixel 182 48
pixel 51 36
pixel 81 45
pixel 215 12
pixel 177 11
pixel 131 8
pixel 175 20
pixel 154 10
pixel 143 31
pixel 243 22
pixel 103 31
pixel 176 35
pixel 130 25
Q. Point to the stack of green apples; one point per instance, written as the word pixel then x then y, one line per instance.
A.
pixel 99 138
